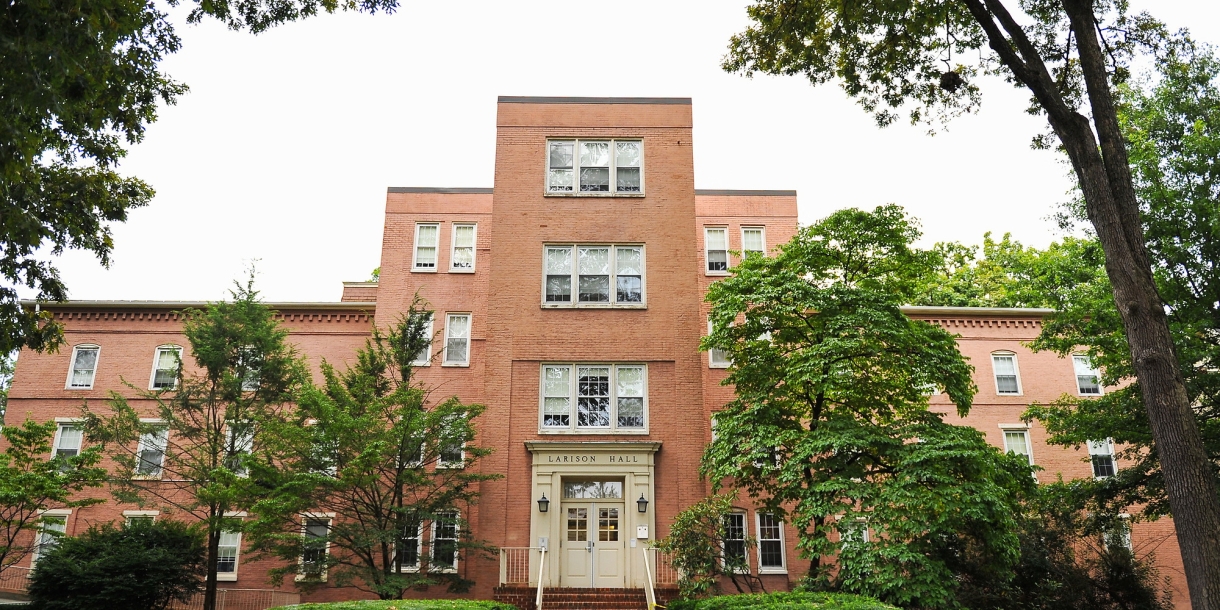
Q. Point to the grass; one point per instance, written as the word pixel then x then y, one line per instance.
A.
pixel 405 604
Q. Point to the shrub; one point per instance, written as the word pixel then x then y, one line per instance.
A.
pixel 782 601
pixel 406 604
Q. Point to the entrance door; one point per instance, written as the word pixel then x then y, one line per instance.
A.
pixel 593 554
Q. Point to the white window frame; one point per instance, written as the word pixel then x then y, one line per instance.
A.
pixel 59 429
pixel 474 247
pixel 164 438
pixel 574 282
pixel 230 576
pixel 849 530
pixel 247 443
pixel 442 463
pixel 436 263
pixel 1102 448
pixel 762 230
pixel 1080 361
pixel 783 554
pixel 76 349
pixel 1016 369
pixel 707 262
pixel 329 518
pixel 152 377
pixel 419 549
pixel 1006 429
pixel 131 515
pixel 427 351
pixel 573 399
pixel 576 192
pixel 745 531
pixel 457 534
pixel 1123 533
pixel 449 316
pixel 54 513
pixel 713 362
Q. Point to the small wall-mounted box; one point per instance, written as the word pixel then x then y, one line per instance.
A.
pixel 641 532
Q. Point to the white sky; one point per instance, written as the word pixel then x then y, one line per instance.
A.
pixel 284 147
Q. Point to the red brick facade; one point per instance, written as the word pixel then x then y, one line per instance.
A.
pixel 514 334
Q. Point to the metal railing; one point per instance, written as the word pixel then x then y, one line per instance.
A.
pixel 15 579
pixel 649 593
pixel 541 571
pixel 517 566
pixel 243 599
pixel 666 573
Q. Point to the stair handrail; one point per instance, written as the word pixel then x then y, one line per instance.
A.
pixel 541 572
pixel 649 592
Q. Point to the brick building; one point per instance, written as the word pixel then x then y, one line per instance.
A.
pixel 569 301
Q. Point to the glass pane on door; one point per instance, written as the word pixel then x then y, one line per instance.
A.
pixel 578 524
pixel 607 524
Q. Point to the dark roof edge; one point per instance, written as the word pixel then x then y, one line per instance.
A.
pixel 976 311
pixel 745 193
pixel 87 304
pixel 519 99
pixel 436 189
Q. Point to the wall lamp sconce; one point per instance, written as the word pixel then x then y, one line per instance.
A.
pixel 543 504
pixel 642 504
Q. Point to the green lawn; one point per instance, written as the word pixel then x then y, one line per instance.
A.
pixel 405 604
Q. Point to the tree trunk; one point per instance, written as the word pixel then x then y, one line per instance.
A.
pixel 209 589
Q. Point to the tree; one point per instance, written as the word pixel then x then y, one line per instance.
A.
pixel 7 361
pixel 830 425
pixel 78 80
pixel 1071 55
pixel 140 566
pixel 30 484
pixel 704 552
pixel 375 449
pixel 210 451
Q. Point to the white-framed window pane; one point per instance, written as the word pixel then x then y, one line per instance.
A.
pixel 69 441
pixel 407 549
pixel 444 541
pixel 594 167
pixel 557 396
pixel 1017 441
pixel 593 396
pixel 717 358
pixel 425 246
pixel 49 532
pixel 770 542
pixel 1101 454
pixel 424 356
pixel 593 267
pixel 630 393
pixel 561 154
pixel 463 247
pixel 752 240
pixel 559 275
pixel 84 365
pixel 239 442
pixel 629 274
pixel 734 536
pixel 165 371
pixel 457 339
pixel 716 244
pixel 152 452
pixel 1086 376
pixel 1005 367
pixel 226 553
pixel 313 557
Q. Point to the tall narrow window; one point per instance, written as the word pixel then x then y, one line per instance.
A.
pixel 248 366
pixel 716 357
pixel 68 440
pixel 462 259
pixel 424 357
pixel 629 274
pixel 628 157
pixel 593 266
pixel 239 443
pixel 594 173
pixel 1101 453
pixel 716 246
pixel 444 541
pixel 407 550
pixel 457 339
pixel 52 528
pixel 426 236
pixel 314 547
pixel 595 167
pixel 152 452
pixel 1086 376
pixel 630 394
pixel 560 165
pixel 770 543
pixel 1007 381
pixel 226 555
pixel 1017 441
pixel 556 396
pixel 734 536
pixel 593 396
pixel 753 239
pixel 1119 534
pixel 165 367
pixel 84 366
pixel 558 274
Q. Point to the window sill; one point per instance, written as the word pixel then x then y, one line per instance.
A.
pixel 763 571
pixel 1017 394
pixel 456 365
pixel 719 274
pixel 414 270
pixel 577 195
pixel 546 305
pixel 309 578
pixel 226 577
pixel 78 388
pixel 719 367
pixel 467 271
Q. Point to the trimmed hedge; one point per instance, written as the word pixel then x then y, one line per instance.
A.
pixel 782 600
pixel 405 604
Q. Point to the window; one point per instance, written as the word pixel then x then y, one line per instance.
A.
pixel 444 542
pixel 716 357
pixel 239 443
pixel 226 555
pixel 753 239
pixel 853 532
pixel 1119 534
pixel 151 455
pixel 1086 376
pixel 316 532
pixel 84 366
pixel 1007 381
pixel 462 259
pixel 716 246
pixel 165 367
pixel 451 455
pixel 734 536
pixel 595 167
pixel 601 397
pixel 54 525
pixel 424 357
pixel 133 517
pixel 426 236
pixel 770 543
pixel 248 366
pixel 1101 453
pixel 68 440
pixel 407 549
pixel 1017 441
pixel 457 340
pixel 603 275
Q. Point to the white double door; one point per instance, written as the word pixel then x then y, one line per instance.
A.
pixel 593 541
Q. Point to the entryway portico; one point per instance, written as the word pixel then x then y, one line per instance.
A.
pixel 593 529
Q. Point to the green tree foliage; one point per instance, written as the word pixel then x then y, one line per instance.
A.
pixel 376 448
pixel 217 424
pixel 830 423
pixel 31 483
pixel 7 362
pixel 783 600
pixel 697 541
pixel 1073 56
pixel 142 566
pixel 80 81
